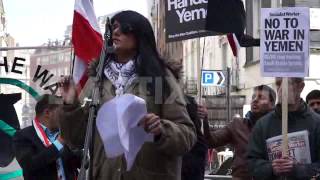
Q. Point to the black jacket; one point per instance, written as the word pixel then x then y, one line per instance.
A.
pixel 193 162
pixel 39 162
pixel 270 126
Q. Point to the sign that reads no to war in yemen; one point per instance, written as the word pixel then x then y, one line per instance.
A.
pixel 285 42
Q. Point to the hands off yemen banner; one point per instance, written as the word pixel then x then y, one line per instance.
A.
pixel 185 19
pixel 284 50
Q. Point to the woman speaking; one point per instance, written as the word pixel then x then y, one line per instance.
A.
pixel 135 60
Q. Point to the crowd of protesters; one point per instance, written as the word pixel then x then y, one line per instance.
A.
pixel 49 149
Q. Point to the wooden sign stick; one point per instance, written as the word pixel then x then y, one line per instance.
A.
pixel 284 104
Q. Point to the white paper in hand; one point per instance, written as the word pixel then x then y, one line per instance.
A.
pixel 117 124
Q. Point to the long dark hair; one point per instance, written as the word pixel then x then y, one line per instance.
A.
pixel 148 62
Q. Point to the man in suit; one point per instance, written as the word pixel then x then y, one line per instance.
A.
pixel 39 148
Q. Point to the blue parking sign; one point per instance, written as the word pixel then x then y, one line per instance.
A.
pixel 212 78
pixel 207 77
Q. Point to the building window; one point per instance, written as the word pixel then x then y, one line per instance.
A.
pixel 257 21
pixel 288 3
pixel 253 9
pixel 45 60
pixel 276 3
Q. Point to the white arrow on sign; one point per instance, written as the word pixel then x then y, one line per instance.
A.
pixel 212 78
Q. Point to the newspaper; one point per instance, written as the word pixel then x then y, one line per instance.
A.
pixel 298 143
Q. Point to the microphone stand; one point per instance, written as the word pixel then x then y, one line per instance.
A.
pixel 106 52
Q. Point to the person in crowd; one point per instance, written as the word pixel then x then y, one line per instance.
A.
pixel 265 156
pixel 313 100
pixel 194 161
pixel 237 132
pixel 40 149
pixel 135 58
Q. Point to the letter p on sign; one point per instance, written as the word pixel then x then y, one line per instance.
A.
pixel 207 78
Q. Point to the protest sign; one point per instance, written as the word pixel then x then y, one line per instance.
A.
pixel 185 19
pixel 284 51
pixel 285 42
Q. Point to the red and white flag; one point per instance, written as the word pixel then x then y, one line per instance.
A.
pixel 86 38
pixel 234 44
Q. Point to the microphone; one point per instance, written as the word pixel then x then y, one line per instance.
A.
pixel 108 37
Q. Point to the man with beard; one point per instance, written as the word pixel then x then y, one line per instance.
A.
pixel 238 131
pixel 265 160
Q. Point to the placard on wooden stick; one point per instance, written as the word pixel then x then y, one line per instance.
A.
pixel 284 50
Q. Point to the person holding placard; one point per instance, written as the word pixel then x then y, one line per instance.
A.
pixel 302 161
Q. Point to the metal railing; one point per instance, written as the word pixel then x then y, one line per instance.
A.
pixel 34 47
pixel 216 177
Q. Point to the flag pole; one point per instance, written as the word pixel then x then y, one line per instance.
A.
pixel 73 59
pixel 201 67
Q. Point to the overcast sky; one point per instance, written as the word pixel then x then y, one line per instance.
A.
pixel 33 22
